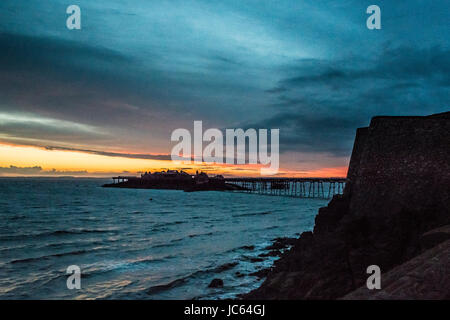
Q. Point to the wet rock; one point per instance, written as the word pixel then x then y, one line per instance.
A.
pixel 164 287
pixel 254 259
pixel 216 283
pixel 239 274
pixel 225 267
pixel 248 247
pixel 261 273
pixel 281 243
pixel 272 253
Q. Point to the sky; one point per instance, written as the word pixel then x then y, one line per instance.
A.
pixel 105 99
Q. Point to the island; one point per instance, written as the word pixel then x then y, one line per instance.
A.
pixel 174 180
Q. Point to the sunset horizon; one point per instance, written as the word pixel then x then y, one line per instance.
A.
pixel 32 161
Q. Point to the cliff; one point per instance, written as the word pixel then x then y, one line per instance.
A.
pixel 398 189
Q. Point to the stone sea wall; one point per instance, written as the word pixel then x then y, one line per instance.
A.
pixel 398 189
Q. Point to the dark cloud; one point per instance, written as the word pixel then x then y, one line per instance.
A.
pixel 31 126
pixel 114 154
pixel 303 132
pixel 82 84
pixel 22 52
pixel 320 108
pixel 104 88
pixel 46 72
pixel 276 90
pixel 402 63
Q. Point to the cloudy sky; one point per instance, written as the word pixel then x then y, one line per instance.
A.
pixel 106 98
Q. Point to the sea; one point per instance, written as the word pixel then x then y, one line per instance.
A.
pixel 138 244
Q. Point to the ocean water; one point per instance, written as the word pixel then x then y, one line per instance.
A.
pixel 131 247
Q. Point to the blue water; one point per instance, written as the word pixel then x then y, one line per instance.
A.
pixel 131 247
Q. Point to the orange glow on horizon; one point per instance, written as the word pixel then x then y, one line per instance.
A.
pixel 77 163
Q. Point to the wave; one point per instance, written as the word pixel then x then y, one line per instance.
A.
pixel 166 224
pixel 180 281
pixel 125 265
pixel 252 214
pixel 171 243
pixel 164 287
pixel 270 228
pixel 166 212
pixel 164 245
pixel 71 253
pixel 201 234
pixel 56 233
pixel 174 242
pixel 17 217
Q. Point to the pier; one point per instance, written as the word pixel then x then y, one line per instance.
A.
pixel 322 188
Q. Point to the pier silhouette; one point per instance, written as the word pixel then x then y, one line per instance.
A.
pixel 323 188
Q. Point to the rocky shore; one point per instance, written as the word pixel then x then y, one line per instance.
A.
pixel 394 213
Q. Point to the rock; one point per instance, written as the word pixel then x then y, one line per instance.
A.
pixel 248 247
pixel 216 283
pixel 434 237
pixel 261 273
pixel 272 253
pixel 424 277
pixel 239 274
pixel 281 243
pixel 226 266
pixel 167 286
pixel 397 190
